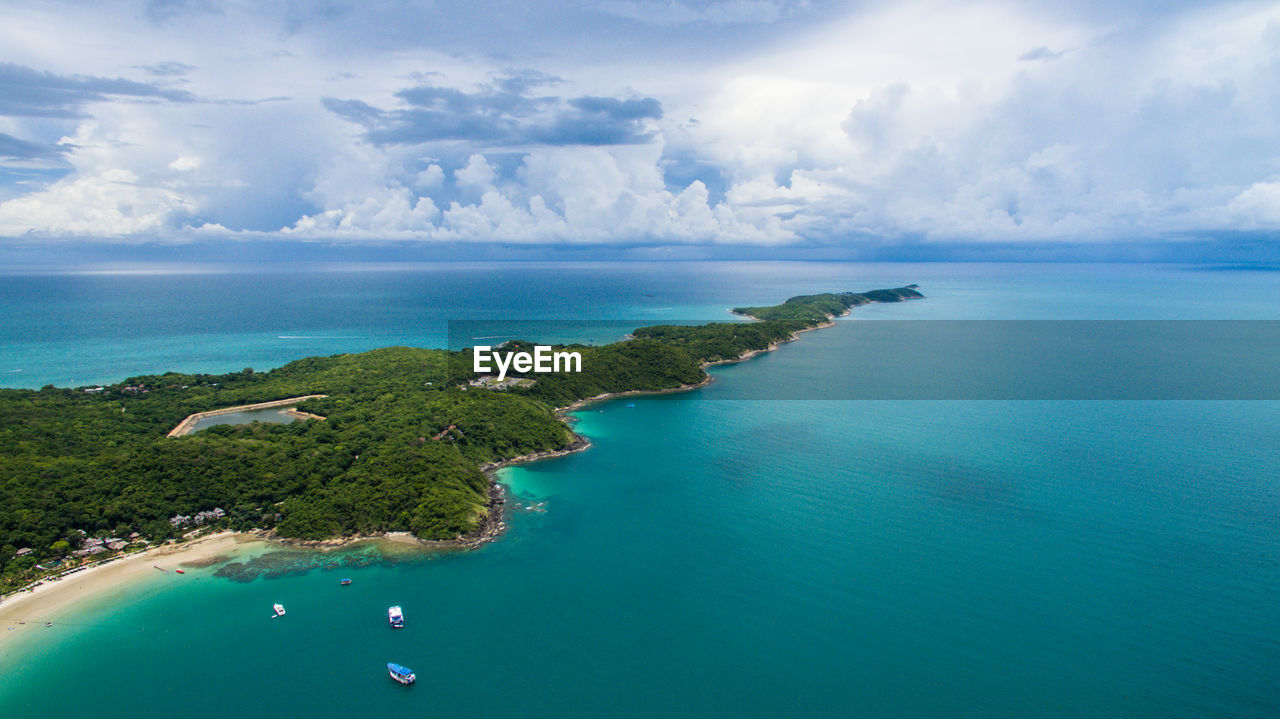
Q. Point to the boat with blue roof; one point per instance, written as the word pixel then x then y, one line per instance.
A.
pixel 404 675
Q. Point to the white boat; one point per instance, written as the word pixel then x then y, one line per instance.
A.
pixel 396 617
pixel 404 675
pixel 279 610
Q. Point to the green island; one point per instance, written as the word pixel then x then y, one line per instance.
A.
pixel 404 445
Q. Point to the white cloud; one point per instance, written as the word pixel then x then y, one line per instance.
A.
pixel 121 186
pixel 982 121
pixel 1258 206
pixel 185 163
pixel 108 204
pixel 477 174
pixel 430 178
pixel 394 214
pixel 924 120
pixel 563 194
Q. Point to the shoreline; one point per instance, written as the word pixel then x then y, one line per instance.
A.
pixel 579 404
pixel 772 345
pixel 490 527
pixel 605 397
pixel 25 611
pixel 581 443
pixel 69 592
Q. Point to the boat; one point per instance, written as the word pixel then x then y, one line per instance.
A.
pixel 404 675
pixel 396 617
pixel 180 571
pixel 279 608
pixel 345 582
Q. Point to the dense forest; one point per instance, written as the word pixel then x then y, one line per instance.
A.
pixel 400 447
pixel 813 309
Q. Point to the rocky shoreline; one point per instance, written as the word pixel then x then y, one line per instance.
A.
pixel 563 411
pixel 495 519
pixel 495 522
pixel 491 527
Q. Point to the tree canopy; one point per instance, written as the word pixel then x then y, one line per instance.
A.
pixel 400 447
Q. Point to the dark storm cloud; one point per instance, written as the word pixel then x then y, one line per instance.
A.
pixel 1040 53
pixel 506 111
pixel 166 69
pixel 522 81
pixel 616 109
pixel 27 92
pixel 600 121
pixel 12 148
pixel 158 11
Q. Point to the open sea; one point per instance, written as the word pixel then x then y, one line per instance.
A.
pixel 709 555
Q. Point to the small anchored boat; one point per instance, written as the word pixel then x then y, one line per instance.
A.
pixel 396 617
pixel 345 582
pixel 180 571
pixel 404 675
pixel 279 610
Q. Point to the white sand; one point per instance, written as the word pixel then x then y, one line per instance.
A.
pixel 55 599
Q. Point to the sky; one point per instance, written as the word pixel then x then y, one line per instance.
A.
pixel 717 123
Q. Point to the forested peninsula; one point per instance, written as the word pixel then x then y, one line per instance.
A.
pixel 401 448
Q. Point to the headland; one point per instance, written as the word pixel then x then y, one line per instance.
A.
pixel 408 449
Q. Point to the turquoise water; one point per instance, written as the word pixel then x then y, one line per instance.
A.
pixel 86 327
pixel 779 558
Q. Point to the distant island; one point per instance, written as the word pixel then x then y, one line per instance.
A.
pixel 407 439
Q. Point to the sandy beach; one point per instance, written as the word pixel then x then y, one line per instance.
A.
pixel 26 612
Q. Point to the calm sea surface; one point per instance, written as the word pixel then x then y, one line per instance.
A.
pixel 711 556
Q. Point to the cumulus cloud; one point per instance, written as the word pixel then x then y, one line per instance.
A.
pixel 108 204
pixel 1257 206
pixel 963 141
pixel 983 121
pixel 31 97
pixel 430 178
pixel 557 194
pixel 476 174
